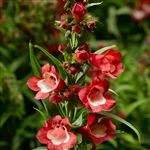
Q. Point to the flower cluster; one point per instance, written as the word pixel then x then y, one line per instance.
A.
pixel 66 85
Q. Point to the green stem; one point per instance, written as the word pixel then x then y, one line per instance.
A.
pixel 44 105
pixel 59 107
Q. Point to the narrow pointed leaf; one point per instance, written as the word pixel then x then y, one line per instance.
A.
pixel 100 51
pixel 93 4
pixel 123 121
pixel 54 61
pixel 44 115
pixel 34 63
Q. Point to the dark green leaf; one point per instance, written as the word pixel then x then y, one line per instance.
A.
pixel 54 61
pixel 34 63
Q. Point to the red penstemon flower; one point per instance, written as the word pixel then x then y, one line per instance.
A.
pixel 55 134
pixel 98 131
pixel 109 63
pixel 50 81
pixel 94 96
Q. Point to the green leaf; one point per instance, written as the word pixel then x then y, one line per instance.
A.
pixel 78 122
pixel 100 51
pixel 93 4
pixel 123 121
pixel 54 61
pixel 112 91
pixel 45 116
pixel 134 105
pixel 40 148
pixel 119 132
pixel 17 63
pixel 34 63
pixel 79 138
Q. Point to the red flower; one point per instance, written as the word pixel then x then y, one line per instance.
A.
pixel 108 63
pixel 76 28
pixel 55 98
pixel 91 24
pixel 50 81
pixel 94 96
pixel 78 11
pixel 82 56
pixel 55 134
pixel 98 131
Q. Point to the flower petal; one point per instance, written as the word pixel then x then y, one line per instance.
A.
pixel 39 95
pixel 32 83
pixel 71 142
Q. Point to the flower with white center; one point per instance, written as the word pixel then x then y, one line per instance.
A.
pixel 55 134
pixel 50 81
pixel 94 96
pixel 98 128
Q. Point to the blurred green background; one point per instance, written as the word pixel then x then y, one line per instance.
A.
pixel 25 20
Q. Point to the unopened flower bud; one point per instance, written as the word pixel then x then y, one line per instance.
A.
pixel 68 95
pixel 64 25
pixel 91 24
pixel 76 28
pixel 62 47
pixel 55 98
pixel 73 70
pixel 78 12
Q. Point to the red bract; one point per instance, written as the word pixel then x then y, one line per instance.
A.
pixel 55 134
pixel 50 81
pixel 98 131
pixel 78 12
pixel 82 56
pixel 109 63
pixel 93 96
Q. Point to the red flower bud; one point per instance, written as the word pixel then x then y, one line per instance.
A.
pixel 73 70
pixel 75 89
pixel 62 47
pixel 68 95
pixel 78 11
pixel 82 56
pixel 85 47
pixel 91 24
pixel 55 98
pixel 76 28
pixel 64 25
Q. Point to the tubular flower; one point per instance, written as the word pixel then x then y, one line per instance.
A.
pixel 55 134
pixel 50 81
pixel 98 131
pixel 78 12
pixel 93 96
pixel 109 63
